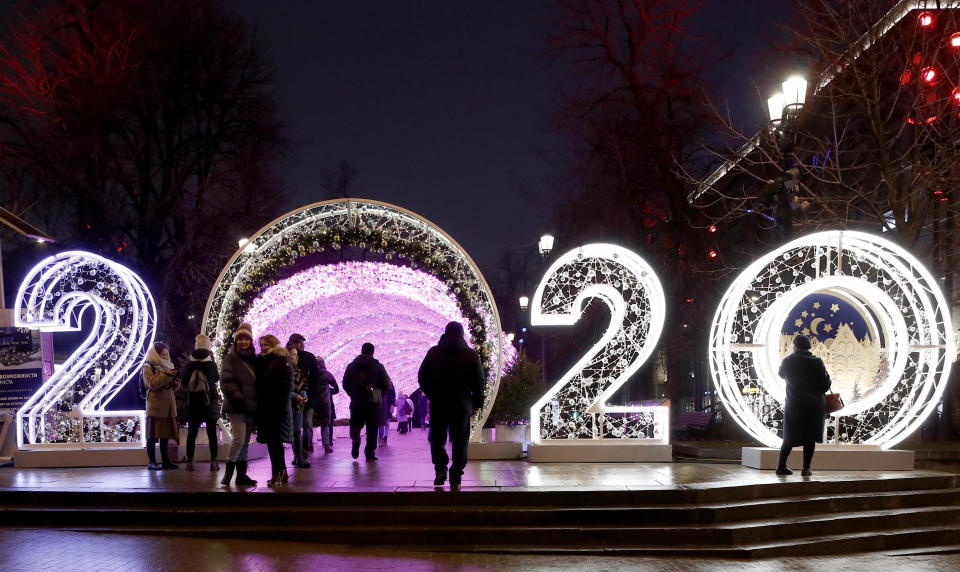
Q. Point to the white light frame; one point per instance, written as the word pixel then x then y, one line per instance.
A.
pixel 866 270
pixel 317 218
pixel 559 301
pixel 53 298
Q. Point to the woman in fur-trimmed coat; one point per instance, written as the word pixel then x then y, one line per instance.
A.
pixel 274 411
pixel 162 380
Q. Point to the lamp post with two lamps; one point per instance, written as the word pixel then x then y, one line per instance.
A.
pixel 784 109
pixel 544 248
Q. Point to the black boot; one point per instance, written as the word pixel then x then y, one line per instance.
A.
pixel 242 478
pixel 228 473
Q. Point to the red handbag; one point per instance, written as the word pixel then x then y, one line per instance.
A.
pixel 833 403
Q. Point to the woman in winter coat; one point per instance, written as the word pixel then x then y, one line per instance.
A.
pixel 238 383
pixel 807 381
pixel 324 413
pixel 161 380
pixel 404 411
pixel 298 400
pixel 274 413
pixel 386 412
pixel 200 378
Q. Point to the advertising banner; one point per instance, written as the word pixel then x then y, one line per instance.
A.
pixel 21 369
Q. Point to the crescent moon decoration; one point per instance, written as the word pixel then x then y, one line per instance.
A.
pixel 905 311
pixel 813 325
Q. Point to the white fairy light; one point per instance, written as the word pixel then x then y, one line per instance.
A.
pixel 576 407
pixel 316 223
pixel 54 297
pixel 900 302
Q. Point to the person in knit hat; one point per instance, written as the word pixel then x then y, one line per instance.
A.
pixel 162 380
pixel 238 383
pixel 200 377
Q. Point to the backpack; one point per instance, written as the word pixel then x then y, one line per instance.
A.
pixel 406 408
pixel 198 390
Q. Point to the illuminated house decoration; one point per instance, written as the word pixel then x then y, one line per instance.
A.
pixel 897 335
pixel 576 406
pixel 396 237
pixel 61 294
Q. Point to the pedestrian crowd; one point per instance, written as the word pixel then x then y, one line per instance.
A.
pixel 283 393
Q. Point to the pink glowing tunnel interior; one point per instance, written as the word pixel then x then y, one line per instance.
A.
pixel 338 307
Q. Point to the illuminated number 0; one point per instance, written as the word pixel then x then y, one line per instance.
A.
pixel 69 408
pixel 576 406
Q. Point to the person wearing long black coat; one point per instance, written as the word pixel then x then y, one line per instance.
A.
pixel 807 382
pixel 202 407
pixel 274 411
pixel 452 378
pixel 365 374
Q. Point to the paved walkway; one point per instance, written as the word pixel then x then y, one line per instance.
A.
pixel 404 465
pixel 39 550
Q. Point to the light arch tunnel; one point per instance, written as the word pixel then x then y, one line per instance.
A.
pixel 395 298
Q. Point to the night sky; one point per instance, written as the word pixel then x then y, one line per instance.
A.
pixel 443 106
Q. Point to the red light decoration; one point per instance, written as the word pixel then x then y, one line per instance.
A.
pixel 954 41
pixel 905 77
pixel 713 253
pixel 925 19
pixel 688 300
pixel 930 75
pixel 713 228
pixel 938 192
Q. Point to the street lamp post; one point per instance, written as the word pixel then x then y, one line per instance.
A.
pixel 784 109
pixel 544 248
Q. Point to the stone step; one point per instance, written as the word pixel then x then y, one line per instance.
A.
pixel 894 540
pixel 690 494
pixel 771 532
pixel 710 513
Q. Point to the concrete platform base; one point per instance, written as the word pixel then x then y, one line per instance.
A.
pixel 850 458
pixel 598 451
pixel 495 451
pixel 112 457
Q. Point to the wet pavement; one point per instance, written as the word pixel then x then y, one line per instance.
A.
pixel 404 465
pixel 42 550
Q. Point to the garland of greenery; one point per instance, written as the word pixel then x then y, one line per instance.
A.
pixel 300 244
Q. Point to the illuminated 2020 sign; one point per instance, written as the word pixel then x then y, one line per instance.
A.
pixel 576 406
pixel 69 409
pixel 876 317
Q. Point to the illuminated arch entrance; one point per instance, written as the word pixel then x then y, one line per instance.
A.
pixel 414 279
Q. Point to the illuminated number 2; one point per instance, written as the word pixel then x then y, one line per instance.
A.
pixel 69 407
pixel 576 406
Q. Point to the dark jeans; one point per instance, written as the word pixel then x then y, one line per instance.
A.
pixel 808 449
pixel 164 453
pixel 306 435
pixel 194 419
pixel 365 416
pixel 455 421
pixel 298 444
pixel 277 461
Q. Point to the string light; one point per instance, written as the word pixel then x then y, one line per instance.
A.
pixel 900 301
pixel 338 307
pixel 68 410
pixel 576 406
pixel 390 231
